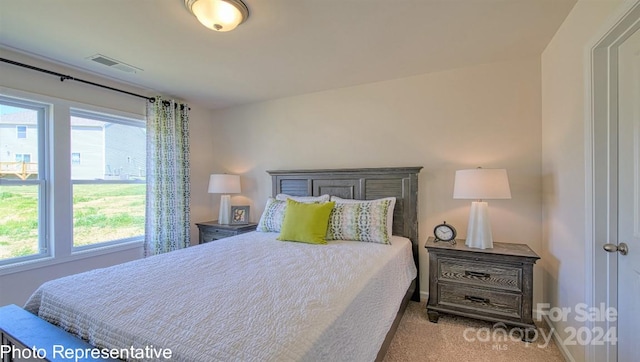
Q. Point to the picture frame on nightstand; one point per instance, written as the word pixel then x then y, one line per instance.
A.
pixel 239 215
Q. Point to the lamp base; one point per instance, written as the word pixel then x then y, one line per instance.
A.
pixel 479 228
pixel 224 215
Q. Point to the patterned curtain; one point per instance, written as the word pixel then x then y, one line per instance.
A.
pixel 167 219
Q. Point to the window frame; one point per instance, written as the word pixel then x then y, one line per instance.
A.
pixel 58 185
pixel 110 118
pixel 43 116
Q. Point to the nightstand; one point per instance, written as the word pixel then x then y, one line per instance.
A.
pixel 211 230
pixel 490 284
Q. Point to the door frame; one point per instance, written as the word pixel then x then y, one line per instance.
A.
pixel 601 150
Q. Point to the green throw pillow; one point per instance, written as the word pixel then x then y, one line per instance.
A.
pixel 305 222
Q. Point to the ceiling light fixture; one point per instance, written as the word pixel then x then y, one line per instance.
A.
pixel 218 15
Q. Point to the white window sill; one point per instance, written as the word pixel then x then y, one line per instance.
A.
pixel 77 255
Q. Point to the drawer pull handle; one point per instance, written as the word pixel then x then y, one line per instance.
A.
pixel 476 299
pixel 469 273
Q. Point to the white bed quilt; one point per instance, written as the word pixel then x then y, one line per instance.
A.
pixel 245 298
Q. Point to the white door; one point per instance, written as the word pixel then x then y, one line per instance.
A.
pixel 629 199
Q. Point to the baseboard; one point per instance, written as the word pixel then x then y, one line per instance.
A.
pixel 556 337
pixel 424 296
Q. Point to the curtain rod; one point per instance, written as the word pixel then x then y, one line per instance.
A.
pixel 64 77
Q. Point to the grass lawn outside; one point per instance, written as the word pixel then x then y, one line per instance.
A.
pixel 102 212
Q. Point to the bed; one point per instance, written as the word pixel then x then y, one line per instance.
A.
pixel 252 297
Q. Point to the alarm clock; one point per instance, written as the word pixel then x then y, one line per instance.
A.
pixel 445 232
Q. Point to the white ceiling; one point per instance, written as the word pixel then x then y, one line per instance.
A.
pixel 285 48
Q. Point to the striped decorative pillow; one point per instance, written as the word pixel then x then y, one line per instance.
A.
pixel 358 220
pixel 272 216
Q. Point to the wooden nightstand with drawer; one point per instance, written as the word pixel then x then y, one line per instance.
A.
pixel 211 230
pixel 490 284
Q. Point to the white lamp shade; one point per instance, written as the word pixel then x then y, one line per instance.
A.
pixel 481 184
pixel 224 184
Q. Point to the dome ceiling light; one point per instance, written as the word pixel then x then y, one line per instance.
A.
pixel 218 15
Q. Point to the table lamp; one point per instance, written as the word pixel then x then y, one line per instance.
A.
pixel 224 184
pixel 480 184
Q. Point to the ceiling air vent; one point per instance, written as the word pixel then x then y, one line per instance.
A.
pixel 112 63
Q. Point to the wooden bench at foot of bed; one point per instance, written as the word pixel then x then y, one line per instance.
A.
pixel 25 337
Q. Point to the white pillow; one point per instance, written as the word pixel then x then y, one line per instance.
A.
pixel 321 198
pixel 362 220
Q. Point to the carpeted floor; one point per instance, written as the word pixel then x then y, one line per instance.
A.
pixel 462 339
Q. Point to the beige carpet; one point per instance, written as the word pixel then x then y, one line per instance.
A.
pixel 417 339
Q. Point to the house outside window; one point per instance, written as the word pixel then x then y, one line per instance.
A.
pixel 109 185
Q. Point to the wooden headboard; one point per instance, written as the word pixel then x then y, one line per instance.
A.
pixel 362 184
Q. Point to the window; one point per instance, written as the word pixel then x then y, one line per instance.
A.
pixel 21 131
pixel 23 192
pixel 23 157
pixel 75 158
pixel 106 175
pixel 109 186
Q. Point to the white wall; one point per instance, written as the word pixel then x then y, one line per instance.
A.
pixel 486 115
pixel 201 165
pixel 17 286
pixel 563 159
